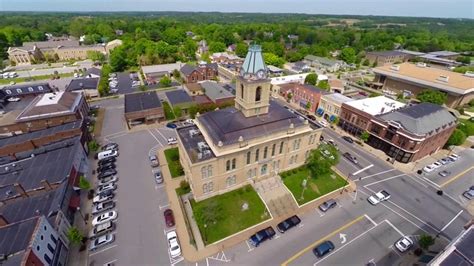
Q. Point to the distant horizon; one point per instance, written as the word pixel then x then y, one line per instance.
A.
pixel 461 9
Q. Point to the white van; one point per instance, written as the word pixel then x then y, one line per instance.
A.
pixel 107 154
pixel 12 75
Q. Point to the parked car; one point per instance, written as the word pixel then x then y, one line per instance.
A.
pixel 107 173
pixel 378 197
pixel 311 117
pixel 154 161
pixel 171 125
pixel 103 206
pixel 436 165
pixel 331 142
pixel 106 161
pixel 469 194
pixel 348 139
pixel 174 248
pixel 453 157
pixel 101 241
pixel 172 141
pixel 323 248
pixel 105 167
pixel 288 224
pixel 109 186
pixel 107 180
pixel 428 168
pixel 323 123
pixel 444 173
pixel 404 244
pixel 102 229
pixel 261 236
pixel 107 154
pixel 351 158
pixel 444 161
pixel 104 196
pixel 329 204
pixel 169 217
pixel 110 146
pixel 158 177
pixel 104 217
pixel 13 99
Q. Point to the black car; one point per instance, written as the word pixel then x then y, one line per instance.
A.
pixel 312 117
pixel 110 146
pixel 323 248
pixel 288 223
pixel 107 173
pixel 261 236
pixel 105 167
pixel 348 139
pixel 107 161
pixel 351 158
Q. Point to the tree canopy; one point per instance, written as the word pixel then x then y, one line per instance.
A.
pixel 432 96
pixel 311 79
pixel 321 159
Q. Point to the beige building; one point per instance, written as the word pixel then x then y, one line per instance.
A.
pixel 254 140
pixel 330 105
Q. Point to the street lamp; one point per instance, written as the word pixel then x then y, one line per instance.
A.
pixel 80 212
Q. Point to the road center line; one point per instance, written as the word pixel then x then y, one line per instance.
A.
pixel 456 177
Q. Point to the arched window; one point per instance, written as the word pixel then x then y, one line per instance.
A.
pixel 258 94
pixel 257 154
pixel 227 165
pixel 265 152
pixel 234 163
pixel 204 172
pixel 209 171
pixel 230 181
pixel 281 147
pixel 273 149
pixel 242 91
pixel 248 157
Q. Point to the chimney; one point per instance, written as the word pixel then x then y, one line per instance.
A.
pixel 3 220
pixel 19 188
pixel 46 184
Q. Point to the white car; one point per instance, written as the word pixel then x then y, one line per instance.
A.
pixel 107 180
pixel 378 197
pixel 102 197
pixel 174 248
pixel 323 123
pixel 13 99
pixel 454 157
pixel 428 168
pixel 436 165
pixel 104 217
pixel 109 186
pixel 102 207
pixel 404 243
pixel 101 241
pixel 172 141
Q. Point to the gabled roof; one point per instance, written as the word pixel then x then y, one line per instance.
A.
pixel 141 101
pixel 83 84
pixel 421 118
pixel 178 97
pixel 26 89
pixel 50 105
pixel 188 69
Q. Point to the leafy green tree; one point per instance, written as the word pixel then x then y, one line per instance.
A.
pixel 273 59
pixel 241 49
pixel 74 235
pixel 165 82
pixel 189 48
pixel 322 159
pixel 311 79
pixel 178 112
pixel 432 96
pixel 457 138
pixel 365 136
pixel 84 183
pixel 118 61
pixel 464 59
pixel 348 54
pixel 96 56
pixel 366 62
pixel 467 127
pixel 426 241
pixel 215 47
pixel 3 46
pixel 324 84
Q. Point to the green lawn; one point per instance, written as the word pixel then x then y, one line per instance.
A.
pixel 315 188
pixel 168 111
pixel 172 157
pixel 231 218
pixel 33 78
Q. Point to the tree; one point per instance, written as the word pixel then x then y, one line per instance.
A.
pixel 178 112
pixel 74 235
pixel 324 84
pixel 84 183
pixel 311 79
pixel 365 136
pixel 366 62
pixel 426 241
pixel 273 59
pixel 165 82
pixel 348 54
pixel 215 47
pixel 457 138
pixel 241 49
pixel 176 74
pixel 432 96
pixel 96 56
pixel 464 59
pixel 467 127
pixel 322 159
pixel 118 61
pixel 308 105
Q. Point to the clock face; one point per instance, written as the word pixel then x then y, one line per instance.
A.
pixel 261 74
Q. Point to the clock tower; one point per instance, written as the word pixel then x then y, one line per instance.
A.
pixel 252 90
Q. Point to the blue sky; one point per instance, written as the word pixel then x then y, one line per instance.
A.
pixel 425 8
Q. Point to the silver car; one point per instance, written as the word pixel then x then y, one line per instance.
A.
pixel 101 241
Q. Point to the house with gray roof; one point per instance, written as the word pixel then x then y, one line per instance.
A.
pixel 412 132
pixel 179 98
pixel 217 93
pixel 324 63
pixel 203 71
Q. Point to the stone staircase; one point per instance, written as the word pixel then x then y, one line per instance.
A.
pixel 278 199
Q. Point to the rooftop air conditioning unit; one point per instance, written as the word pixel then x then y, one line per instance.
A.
pixel 443 78
pixel 395 67
pixel 200 156
pixel 469 74
pixel 421 64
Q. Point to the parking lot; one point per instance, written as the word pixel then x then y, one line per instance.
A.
pixel 140 235
pixel 124 82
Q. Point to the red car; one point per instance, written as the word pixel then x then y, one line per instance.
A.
pixel 169 218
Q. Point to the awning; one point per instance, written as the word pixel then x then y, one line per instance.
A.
pixel 75 202
pixel 320 111
pixel 332 118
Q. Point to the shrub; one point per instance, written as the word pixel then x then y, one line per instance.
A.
pixel 426 241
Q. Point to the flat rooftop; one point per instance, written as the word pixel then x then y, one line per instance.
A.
pixel 178 97
pixel 135 102
pixel 194 143
pixel 229 124
pixel 161 68
pixel 376 105
pixel 337 98
pixel 430 77
pixel 215 91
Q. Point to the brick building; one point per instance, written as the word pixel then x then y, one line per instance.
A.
pixel 412 133
pixel 143 107
pixel 304 95
pixel 203 71
pixel 382 58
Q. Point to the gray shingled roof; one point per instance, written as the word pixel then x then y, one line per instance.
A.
pixel 215 91
pixel 228 124
pixel 187 69
pixel 135 102
pixel 178 97
pixel 83 84
pixel 421 118
pixel 16 237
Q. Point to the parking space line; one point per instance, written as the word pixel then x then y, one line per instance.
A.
pixel 393 226
pixel 320 213
pixel 456 177
pixel 248 245
pixel 301 252
pixel 370 219
pixel 396 252
pixel 162 207
pixel 153 135
pixel 383 180
pixel 380 173
pixel 102 250
pixel 112 261
pixel 161 134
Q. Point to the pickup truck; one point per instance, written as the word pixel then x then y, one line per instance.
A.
pixel 288 223
pixel 102 229
pixel 261 236
pixel 378 197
